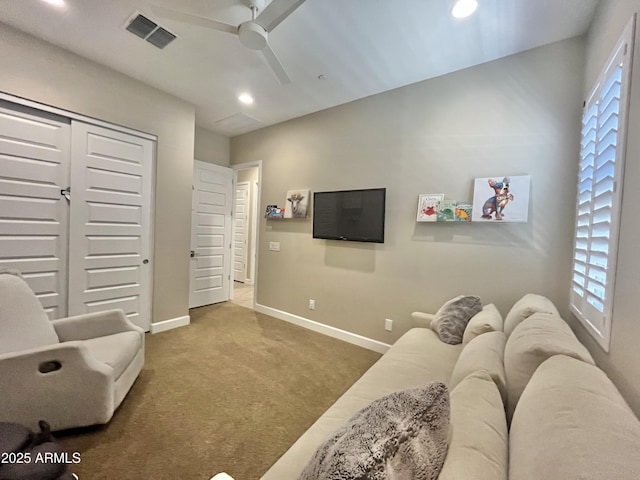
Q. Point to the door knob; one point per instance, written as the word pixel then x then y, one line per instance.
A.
pixel 145 261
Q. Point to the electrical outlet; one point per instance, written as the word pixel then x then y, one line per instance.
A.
pixel 312 304
pixel 388 324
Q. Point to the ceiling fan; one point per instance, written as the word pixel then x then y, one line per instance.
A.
pixel 253 33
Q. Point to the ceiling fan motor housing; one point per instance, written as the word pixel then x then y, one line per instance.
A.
pixel 252 35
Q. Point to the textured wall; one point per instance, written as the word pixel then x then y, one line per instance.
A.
pixel 517 115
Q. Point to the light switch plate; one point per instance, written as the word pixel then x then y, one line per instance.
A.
pixel 274 246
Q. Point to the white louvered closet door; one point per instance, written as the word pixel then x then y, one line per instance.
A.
pixel 110 223
pixel 34 168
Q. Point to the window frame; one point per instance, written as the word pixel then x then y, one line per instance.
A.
pixel 597 323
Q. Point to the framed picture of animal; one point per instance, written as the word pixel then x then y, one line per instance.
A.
pixel 297 203
pixel 503 198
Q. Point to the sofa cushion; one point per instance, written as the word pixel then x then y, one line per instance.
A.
pixel 572 424
pixel 478 447
pixel 539 337
pixel 486 320
pixel 525 307
pixel 23 322
pixel 401 435
pixel 451 318
pixel 117 350
pixel 485 352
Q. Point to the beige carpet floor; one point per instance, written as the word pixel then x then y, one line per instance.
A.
pixel 230 392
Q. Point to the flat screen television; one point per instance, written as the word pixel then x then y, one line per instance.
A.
pixel 353 215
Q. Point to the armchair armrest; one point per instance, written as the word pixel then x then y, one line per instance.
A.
pixel 421 319
pixel 61 383
pixel 92 325
pixel 73 355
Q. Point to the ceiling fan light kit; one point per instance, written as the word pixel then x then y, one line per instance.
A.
pixel 253 34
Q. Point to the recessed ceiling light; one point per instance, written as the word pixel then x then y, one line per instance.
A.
pixel 246 98
pixel 56 3
pixel 464 8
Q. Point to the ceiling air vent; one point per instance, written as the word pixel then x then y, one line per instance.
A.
pixel 161 37
pixel 149 30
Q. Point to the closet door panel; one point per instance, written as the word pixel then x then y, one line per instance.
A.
pixel 110 223
pixel 34 168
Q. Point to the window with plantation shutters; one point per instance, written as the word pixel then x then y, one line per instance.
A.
pixel 599 194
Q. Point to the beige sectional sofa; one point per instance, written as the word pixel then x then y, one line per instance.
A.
pixel 567 419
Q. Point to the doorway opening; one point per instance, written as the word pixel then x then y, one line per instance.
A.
pixel 245 233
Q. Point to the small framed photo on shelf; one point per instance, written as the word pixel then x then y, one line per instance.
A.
pixel 274 212
pixel 447 211
pixel 428 204
pixel 463 211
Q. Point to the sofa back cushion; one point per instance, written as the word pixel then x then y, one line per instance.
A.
pixel 536 339
pixel 451 318
pixel 572 424
pixel 525 307
pixel 23 322
pixel 485 352
pixel 478 447
pixel 485 321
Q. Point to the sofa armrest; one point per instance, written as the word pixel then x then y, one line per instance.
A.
pixel 421 319
pixel 92 325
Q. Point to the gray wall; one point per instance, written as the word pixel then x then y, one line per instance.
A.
pixel 517 115
pixel 622 363
pixel 211 147
pixel 41 72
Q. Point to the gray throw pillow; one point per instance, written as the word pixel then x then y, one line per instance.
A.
pixel 451 319
pixel 399 436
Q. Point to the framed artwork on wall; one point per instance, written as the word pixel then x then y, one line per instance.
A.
pixel 296 204
pixel 428 206
pixel 502 198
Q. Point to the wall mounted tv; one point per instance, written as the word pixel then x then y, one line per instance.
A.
pixel 354 215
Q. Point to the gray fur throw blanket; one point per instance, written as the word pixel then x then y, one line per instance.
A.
pixel 402 436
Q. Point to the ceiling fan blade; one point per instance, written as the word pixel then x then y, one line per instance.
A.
pixel 276 12
pixel 275 65
pixel 193 19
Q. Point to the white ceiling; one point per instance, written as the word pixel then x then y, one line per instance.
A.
pixel 363 47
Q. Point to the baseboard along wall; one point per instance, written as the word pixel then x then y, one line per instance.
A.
pixel 334 332
pixel 170 324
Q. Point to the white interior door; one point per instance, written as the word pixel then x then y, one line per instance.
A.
pixel 110 224
pixel 34 168
pixel 210 234
pixel 240 233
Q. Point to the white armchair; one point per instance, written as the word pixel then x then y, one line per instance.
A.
pixel 70 372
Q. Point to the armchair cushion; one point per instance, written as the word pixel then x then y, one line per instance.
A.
pixel 23 322
pixel 117 350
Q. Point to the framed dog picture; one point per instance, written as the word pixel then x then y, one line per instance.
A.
pixel 503 198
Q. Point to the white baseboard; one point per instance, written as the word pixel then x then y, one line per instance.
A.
pixel 170 324
pixel 334 332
